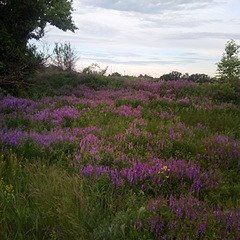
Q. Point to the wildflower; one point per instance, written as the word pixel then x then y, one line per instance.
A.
pixel 202 228
pixel 156 225
pixel 9 191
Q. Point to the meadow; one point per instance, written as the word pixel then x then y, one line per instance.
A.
pixel 101 158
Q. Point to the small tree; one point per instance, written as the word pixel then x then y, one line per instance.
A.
pixel 229 66
pixel 64 57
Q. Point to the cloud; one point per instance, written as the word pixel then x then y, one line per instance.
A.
pixel 182 20
pixel 202 35
pixel 149 6
pixel 151 35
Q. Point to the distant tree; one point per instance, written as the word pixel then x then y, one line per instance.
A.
pixel 21 21
pixel 172 76
pixel 115 74
pixel 95 69
pixel 185 76
pixel 199 78
pixel 229 66
pixel 64 57
pixel 145 76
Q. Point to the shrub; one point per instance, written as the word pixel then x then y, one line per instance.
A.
pixel 224 92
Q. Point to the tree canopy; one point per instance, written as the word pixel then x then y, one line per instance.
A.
pixel 23 20
pixel 26 19
pixel 229 66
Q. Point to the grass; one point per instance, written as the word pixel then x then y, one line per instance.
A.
pixel 44 193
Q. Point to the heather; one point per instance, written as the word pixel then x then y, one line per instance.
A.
pixel 95 157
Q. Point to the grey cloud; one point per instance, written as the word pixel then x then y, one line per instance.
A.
pixel 99 29
pixel 149 6
pixel 133 62
pixel 137 59
pixel 202 35
pixel 170 21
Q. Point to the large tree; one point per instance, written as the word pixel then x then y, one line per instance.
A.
pixel 229 66
pixel 23 20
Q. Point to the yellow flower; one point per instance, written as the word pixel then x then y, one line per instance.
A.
pixel 9 188
pixel 165 168
pixel 9 191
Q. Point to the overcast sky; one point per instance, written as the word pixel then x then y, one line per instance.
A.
pixel 151 36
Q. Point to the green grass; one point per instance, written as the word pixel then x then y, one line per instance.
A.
pixel 43 196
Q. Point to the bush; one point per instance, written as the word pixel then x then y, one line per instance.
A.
pixel 49 82
pixel 225 92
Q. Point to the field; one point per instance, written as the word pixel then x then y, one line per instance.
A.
pixel 122 159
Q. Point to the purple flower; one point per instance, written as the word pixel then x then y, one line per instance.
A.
pixel 156 225
pixel 224 150
pixel 187 207
pixel 56 116
pixel 14 137
pixel 202 228
pixel 230 219
pixel 45 139
pixel 17 104
pixel 128 111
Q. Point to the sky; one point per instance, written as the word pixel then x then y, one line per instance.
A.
pixel 151 36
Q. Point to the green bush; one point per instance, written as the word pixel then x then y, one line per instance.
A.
pixel 225 92
pixel 54 82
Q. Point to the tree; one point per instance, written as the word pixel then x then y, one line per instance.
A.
pixel 115 74
pixel 21 21
pixel 199 78
pixel 229 66
pixel 64 57
pixel 95 69
pixel 27 19
pixel 145 76
pixel 172 76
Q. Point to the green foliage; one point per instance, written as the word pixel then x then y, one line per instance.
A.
pixel 199 78
pixel 20 22
pixel 225 92
pixel 27 20
pixel 174 75
pixel 52 80
pixel 56 82
pixel 229 66
pixel 115 74
pixel 225 121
